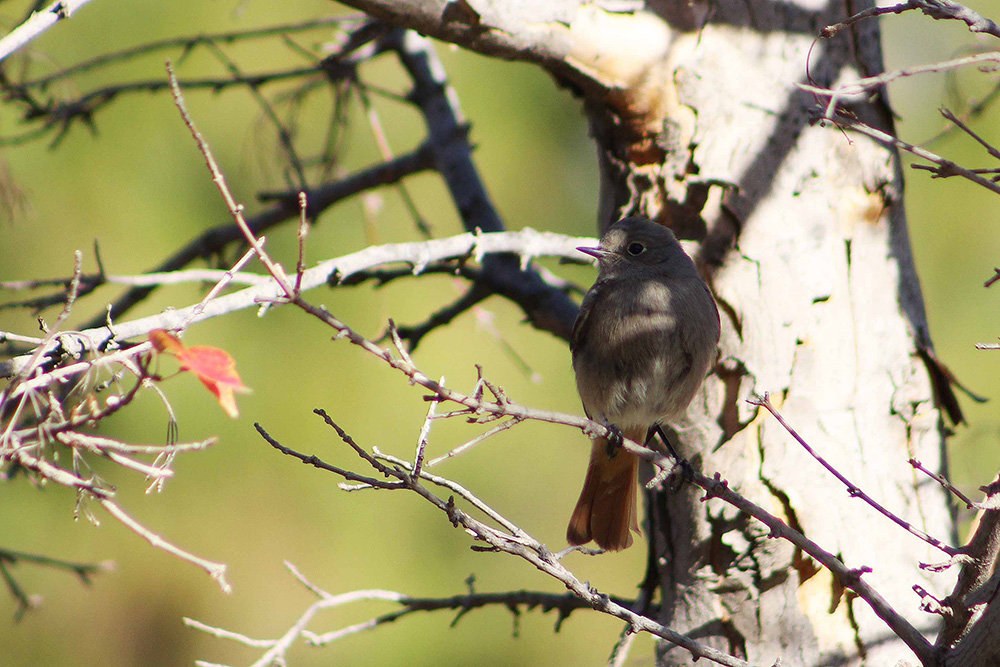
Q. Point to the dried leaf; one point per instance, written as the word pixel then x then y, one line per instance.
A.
pixel 214 367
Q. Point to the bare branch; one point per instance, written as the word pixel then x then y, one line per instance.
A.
pixel 861 87
pixel 978 559
pixel 853 490
pixel 215 570
pixel 849 578
pixel 936 9
pixel 38 23
pixel 945 484
pixel 527 243
pixel 563 605
pixel 547 308
pixel 945 168
pixel 25 602
pixel 715 487
pixel 965 128
pixel 425 432
pixel 502 426
pixel 187 44
pixel 515 542
pixel 443 317
pixel 320 198
pixel 220 180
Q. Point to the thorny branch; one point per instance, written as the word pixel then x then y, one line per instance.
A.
pixel 526 244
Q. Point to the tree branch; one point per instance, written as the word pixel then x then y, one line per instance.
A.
pixel 936 9
pixel 546 308
pixel 9 557
pixel 513 541
pixel 853 490
pixel 526 244
pixel 38 23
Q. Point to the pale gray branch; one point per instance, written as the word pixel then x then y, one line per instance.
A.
pixel 527 243
pixel 38 23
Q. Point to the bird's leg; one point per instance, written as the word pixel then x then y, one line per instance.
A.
pixel 615 439
pixel 679 462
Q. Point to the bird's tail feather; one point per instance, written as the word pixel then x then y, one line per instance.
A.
pixel 606 509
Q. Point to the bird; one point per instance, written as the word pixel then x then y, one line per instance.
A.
pixel 643 342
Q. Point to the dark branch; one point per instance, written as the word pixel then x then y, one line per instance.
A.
pixel 9 557
pixel 546 308
pixel 321 198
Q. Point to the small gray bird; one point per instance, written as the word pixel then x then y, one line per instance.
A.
pixel 642 344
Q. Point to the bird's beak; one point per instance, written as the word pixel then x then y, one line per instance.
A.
pixel 593 252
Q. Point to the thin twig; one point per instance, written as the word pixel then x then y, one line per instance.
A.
pixel 81 570
pixel 425 431
pixel 944 169
pixel 968 130
pixel 867 84
pixel 217 571
pixel 476 294
pixel 284 137
pixel 936 9
pixel 220 285
pixel 502 426
pixel 300 266
pixel 945 484
pixel 235 209
pixel 524 547
pixel 187 44
pixel 26 602
pixel 853 490
pixel 515 532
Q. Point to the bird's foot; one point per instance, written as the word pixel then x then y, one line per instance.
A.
pixel 615 439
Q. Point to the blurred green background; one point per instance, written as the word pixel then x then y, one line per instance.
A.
pixel 139 187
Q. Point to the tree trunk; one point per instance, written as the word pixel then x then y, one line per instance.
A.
pixel 700 125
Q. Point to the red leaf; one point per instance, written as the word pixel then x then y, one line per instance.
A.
pixel 214 367
pixel 217 371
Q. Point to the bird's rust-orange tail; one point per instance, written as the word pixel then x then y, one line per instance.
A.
pixel 606 509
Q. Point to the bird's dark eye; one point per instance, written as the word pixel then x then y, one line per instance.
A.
pixel 636 249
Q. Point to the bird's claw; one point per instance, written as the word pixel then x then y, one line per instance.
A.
pixel 615 439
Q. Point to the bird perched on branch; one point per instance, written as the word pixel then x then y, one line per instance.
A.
pixel 643 342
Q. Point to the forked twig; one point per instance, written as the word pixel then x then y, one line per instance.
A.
pixel 853 490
